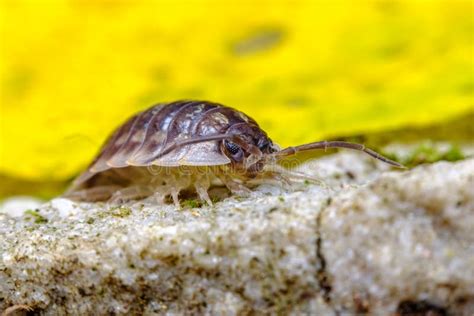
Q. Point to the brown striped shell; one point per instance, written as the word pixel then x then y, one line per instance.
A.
pixel 139 141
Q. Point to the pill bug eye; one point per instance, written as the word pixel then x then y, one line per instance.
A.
pixel 234 150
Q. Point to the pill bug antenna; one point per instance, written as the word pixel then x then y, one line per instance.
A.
pixel 289 151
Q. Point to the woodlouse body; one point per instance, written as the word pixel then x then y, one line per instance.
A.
pixel 185 144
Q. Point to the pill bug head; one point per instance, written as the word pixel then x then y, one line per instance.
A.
pixel 249 149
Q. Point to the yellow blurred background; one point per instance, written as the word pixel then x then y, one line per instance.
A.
pixel 71 71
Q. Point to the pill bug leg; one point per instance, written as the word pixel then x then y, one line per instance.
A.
pixel 234 186
pixel 202 192
pixel 288 175
pixel 175 196
pixel 202 184
pixel 131 193
pixel 159 195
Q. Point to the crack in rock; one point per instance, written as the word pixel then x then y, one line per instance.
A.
pixel 322 276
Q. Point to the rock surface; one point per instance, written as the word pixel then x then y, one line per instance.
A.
pixel 370 241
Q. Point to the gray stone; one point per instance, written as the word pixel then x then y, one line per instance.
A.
pixel 370 240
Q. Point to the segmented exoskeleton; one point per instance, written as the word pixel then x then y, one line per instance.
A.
pixel 188 144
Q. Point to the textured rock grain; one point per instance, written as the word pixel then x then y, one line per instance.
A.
pixel 371 241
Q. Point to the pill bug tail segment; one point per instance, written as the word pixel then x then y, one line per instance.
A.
pixel 335 144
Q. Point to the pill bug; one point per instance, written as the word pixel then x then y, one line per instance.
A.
pixel 188 145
